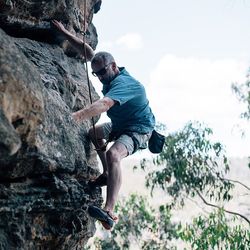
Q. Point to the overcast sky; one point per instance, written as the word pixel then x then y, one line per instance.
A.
pixel 187 54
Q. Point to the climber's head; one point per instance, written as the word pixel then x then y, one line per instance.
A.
pixel 104 67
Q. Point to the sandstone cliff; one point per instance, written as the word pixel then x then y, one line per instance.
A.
pixel 46 159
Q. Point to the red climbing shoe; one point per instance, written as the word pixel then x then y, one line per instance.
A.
pixel 100 181
pixel 103 216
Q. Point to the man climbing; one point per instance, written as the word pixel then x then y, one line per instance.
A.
pixel 132 121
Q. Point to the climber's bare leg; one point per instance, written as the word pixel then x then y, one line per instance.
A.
pixel 114 156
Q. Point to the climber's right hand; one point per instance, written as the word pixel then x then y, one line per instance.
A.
pixel 59 26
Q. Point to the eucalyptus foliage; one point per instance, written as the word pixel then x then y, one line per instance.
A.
pixel 215 231
pixel 190 164
pixel 242 92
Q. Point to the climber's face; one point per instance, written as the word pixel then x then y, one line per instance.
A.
pixel 105 72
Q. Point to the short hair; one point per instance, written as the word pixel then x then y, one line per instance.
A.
pixel 102 56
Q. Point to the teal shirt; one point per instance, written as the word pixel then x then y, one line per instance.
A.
pixel 131 111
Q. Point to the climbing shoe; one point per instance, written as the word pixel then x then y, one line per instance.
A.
pixel 103 216
pixel 100 181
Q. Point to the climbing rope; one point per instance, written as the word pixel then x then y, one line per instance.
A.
pixel 98 148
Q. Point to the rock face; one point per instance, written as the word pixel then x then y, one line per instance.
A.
pixel 46 159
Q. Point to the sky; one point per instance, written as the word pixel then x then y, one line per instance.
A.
pixel 186 54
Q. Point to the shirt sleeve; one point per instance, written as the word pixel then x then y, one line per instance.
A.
pixel 122 92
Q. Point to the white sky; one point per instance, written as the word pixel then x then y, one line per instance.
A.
pixel 187 54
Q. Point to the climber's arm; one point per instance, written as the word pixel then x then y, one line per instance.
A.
pixel 94 109
pixel 76 42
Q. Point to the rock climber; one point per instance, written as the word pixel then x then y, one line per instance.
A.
pixel 132 121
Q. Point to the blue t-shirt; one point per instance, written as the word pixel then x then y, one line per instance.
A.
pixel 131 111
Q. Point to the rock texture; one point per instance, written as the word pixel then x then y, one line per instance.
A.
pixel 46 159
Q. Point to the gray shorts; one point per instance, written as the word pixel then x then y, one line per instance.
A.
pixel 126 140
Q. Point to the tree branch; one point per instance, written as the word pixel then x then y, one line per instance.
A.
pixel 230 180
pixel 245 186
pixel 227 211
pixel 198 205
